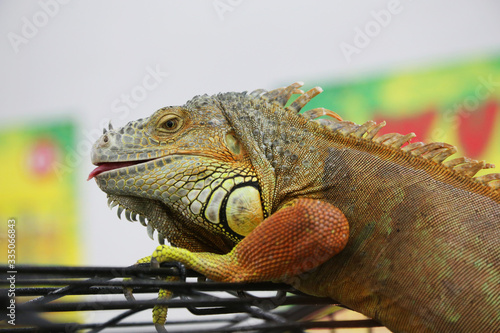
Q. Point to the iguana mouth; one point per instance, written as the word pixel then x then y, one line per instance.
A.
pixel 107 166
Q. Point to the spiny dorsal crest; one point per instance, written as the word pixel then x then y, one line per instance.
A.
pixel 435 151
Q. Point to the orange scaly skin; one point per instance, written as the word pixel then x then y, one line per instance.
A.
pixel 300 236
pixel 246 189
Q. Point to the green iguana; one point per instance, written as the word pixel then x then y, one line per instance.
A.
pixel 246 189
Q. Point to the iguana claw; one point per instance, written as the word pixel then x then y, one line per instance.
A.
pixel 159 311
pixel 128 293
pixel 160 328
pixel 154 263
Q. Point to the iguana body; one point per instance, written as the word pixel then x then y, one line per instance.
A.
pixel 420 236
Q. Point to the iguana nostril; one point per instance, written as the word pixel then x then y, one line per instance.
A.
pixel 105 139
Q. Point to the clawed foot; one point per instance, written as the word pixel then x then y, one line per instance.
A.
pixel 128 291
pixel 159 311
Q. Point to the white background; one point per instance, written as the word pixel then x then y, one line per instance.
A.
pixel 88 53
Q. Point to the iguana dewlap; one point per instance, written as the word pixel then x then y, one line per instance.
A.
pixel 246 189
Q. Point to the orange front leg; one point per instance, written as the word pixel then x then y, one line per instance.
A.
pixel 299 237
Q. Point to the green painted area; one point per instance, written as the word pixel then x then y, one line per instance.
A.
pixel 409 91
pixel 62 131
pixel 59 133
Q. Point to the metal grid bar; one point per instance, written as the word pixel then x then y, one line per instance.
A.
pixel 42 290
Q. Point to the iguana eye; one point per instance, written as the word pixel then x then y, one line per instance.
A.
pixel 170 123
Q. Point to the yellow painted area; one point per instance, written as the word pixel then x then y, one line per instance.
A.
pixel 41 200
pixel 410 90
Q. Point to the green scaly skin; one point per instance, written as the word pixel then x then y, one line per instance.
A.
pixel 246 189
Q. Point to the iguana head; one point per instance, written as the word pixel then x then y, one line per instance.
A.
pixel 182 172
pixel 205 174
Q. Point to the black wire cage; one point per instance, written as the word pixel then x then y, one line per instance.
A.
pixel 61 299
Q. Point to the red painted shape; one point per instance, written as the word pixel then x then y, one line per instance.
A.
pixel 420 124
pixel 476 128
pixel 42 156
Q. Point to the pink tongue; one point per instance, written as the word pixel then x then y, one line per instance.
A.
pixel 110 166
